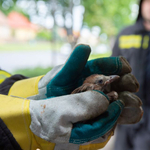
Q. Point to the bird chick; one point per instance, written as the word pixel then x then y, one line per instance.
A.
pixel 99 82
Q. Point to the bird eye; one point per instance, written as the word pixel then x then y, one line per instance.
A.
pixel 100 81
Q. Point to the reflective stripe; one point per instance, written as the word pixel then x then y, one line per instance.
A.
pixel 145 41
pixel 128 41
pixel 4 75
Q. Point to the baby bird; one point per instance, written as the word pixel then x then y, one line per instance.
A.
pixel 99 82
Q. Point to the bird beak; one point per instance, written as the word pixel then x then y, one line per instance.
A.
pixel 111 79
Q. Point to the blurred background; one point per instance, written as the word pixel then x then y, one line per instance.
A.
pixel 36 35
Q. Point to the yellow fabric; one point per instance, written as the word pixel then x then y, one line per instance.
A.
pixel 128 41
pixel 16 115
pixel 95 146
pixel 4 75
pixel 25 88
pixel 41 144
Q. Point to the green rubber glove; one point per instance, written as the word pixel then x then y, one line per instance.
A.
pixel 62 80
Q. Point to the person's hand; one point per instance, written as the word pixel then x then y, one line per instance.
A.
pixel 77 69
pixel 61 119
pixel 70 76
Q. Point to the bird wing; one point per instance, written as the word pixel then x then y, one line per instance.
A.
pixel 83 88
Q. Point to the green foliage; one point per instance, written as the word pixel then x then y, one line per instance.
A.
pixel 110 15
pixel 44 35
pixel 19 10
pixel 8 6
pixel 6 9
pixel 33 72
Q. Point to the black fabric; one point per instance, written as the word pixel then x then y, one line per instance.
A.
pixel 7 141
pixel 6 85
pixel 147 77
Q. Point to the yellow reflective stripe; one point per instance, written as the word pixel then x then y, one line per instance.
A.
pixel 145 41
pixel 25 88
pixel 97 145
pixel 128 41
pixel 4 75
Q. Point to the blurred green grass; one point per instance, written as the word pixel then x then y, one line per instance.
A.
pixel 30 46
pixel 33 72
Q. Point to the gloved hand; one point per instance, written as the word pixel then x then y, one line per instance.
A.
pixel 57 119
pixel 63 80
pixel 51 121
pixel 69 77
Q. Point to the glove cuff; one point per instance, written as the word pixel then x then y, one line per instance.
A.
pixel 25 88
